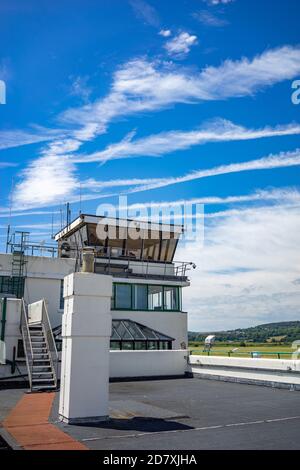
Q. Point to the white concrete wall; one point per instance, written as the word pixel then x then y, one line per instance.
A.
pixel 147 363
pixel 248 363
pixel 277 373
pixel 173 324
pixel 43 281
pixel 86 331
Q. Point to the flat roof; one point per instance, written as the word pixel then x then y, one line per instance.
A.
pixel 184 414
pixel 84 219
pixel 193 413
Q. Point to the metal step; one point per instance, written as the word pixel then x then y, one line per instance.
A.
pixel 45 375
pixel 41 369
pixel 48 380
pixel 41 359
pixel 43 387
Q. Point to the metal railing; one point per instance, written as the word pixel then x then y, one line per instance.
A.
pixel 51 345
pixel 134 267
pixel 26 341
pixel 252 354
pixel 34 249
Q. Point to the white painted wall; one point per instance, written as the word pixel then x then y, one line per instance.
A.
pixel 248 363
pixel 86 331
pixel 43 281
pixel 147 363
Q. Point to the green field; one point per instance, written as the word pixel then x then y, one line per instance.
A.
pixel 271 351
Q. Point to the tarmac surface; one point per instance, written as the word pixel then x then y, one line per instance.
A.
pixel 185 414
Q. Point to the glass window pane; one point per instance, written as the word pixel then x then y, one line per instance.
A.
pixel 155 297
pixel 140 345
pixel 140 297
pixel 114 334
pixel 171 295
pixel 122 331
pixel 134 329
pixel 163 345
pixel 123 296
pixel 127 345
pixel 152 345
pixel 115 345
pixel 147 332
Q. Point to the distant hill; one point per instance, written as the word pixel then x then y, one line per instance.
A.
pixel 286 331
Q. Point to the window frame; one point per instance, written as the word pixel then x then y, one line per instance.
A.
pixel 179 297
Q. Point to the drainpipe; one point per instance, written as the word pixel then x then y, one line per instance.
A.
pixel 3 320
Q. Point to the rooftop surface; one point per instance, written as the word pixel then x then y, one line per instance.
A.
pixel 186 414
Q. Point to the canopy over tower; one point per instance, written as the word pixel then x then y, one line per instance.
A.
pixel 119 238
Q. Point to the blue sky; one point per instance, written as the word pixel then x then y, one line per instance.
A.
pixel 150 99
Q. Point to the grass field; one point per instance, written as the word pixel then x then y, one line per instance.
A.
pixel 266 350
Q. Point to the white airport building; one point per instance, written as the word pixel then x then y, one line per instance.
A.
pixel 148 322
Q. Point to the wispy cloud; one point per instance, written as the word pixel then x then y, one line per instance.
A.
pixel 279 195
pixel 17 138
pixel 180 45
pixel 219 130
pixel 80 88
pixel 218 2
pixel 5 213
pixel 140 86
pixel 208 18
pixel 7 164
pixel 282 160
pixel 143 10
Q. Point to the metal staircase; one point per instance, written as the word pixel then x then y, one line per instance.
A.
pixel 19 263
pixel 40 349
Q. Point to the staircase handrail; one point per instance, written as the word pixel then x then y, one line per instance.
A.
pixel 26 341
pixel 53 354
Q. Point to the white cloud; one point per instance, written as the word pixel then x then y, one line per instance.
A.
pixel 281 160
pixel 181 44
pixel 7 164
pixel 47 180
pixel 165 33
pixel 141 86
pixel 210 19
pixel 219 130
pixel 245 270
pixel 218 2
pixel 79 87
pixel 5 213
pixel 17 138
pixel 279 195
pixel 146 12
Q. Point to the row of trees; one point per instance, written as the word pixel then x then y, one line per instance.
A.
pixel 276 332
